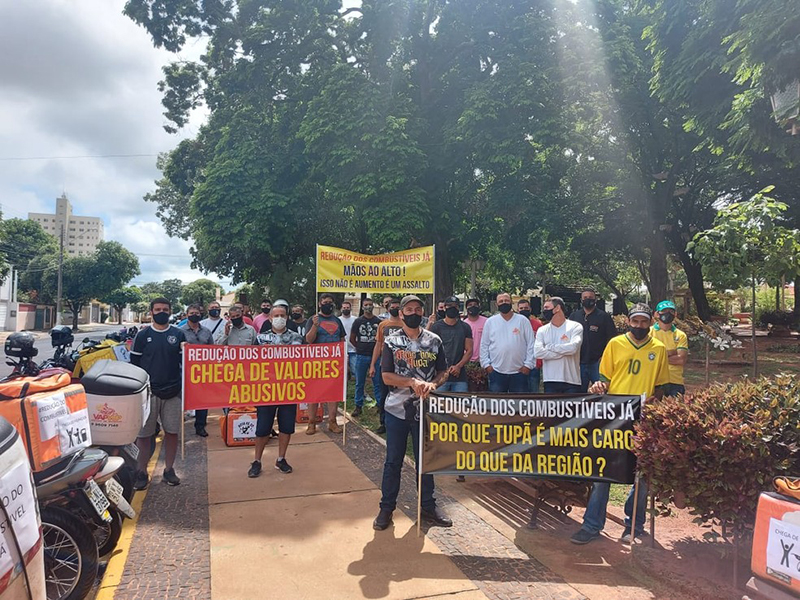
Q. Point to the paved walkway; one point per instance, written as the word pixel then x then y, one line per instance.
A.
pixel 309 534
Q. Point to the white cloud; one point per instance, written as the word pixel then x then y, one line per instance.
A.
pixel 82 81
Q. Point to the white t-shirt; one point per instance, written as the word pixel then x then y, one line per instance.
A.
pixel 507 346
pixel 348 325
pixel 217 333
pixel 560 351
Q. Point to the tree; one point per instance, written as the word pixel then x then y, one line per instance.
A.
pixel 88 277
pixel 200 291
pixel 748 243
pixel 29 249
pixel 122 297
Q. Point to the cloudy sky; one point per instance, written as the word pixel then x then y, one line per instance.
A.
pixel 78 78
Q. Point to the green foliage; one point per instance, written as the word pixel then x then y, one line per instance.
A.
pixel 31 250
pixel 200 291
pixel 122 297
pixel 722 446
pixel 786 318
pixel 171 289
pixel 748 242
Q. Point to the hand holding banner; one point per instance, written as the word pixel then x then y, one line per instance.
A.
pixel 585 437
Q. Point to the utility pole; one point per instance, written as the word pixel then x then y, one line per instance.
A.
pixel 60 269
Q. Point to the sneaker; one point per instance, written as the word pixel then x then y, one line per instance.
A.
pixel 255 469
pixel 142 481
pixel 461 479
pixel 356 412
pixel 383 520
pixel 311 429
pixel 381 429
pixel 626 536
pixel 283 466
pixel 437 516
pixel 334 427
pixel 582 536
pixel 170 478
pixel 273 433
pixel 201 431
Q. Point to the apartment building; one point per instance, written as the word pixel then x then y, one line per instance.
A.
pixel 81 234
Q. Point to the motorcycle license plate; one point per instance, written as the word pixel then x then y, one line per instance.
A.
pixel 97 499
pixel 114 493
pixel 132 450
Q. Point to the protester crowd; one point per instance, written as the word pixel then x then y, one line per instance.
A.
pixel 407 355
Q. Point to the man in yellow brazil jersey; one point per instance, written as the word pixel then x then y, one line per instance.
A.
pixel 632 363
pixel 677 345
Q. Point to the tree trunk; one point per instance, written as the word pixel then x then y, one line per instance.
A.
pixel 694 275
pixel 753 331
pixel 797 295
pixel 75 313
pixel 777 297
pixel 658 269
pixel 119 314
pixel 444 273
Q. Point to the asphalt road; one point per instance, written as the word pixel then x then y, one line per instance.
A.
pixel 46 350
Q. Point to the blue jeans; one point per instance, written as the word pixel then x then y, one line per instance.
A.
pixel 351 363
pixel 362 367
pixel 397 431
pixel 504 382
pixel 533 381
pixel 453 386
pixel 590 372
pixel 561 387
pixel 594 519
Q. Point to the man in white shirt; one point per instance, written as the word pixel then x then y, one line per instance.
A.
pixel 214 323
pixel 558 345
pixel 507 349
pixel 347 320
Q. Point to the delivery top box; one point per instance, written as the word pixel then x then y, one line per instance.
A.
pixel 776 541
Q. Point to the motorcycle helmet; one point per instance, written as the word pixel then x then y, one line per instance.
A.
pixel 21 345
pixel 61 335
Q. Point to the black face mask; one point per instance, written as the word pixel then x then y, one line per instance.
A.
pixel 394 311
pixel 326 309
pixel 194 318
pixel 368 309
pixel 214 312
pixel 588 303
pixel 161 318
pixel 547 314
pixel 474 311
pixel 412 321
pixel 237 322
pixel 666 317
pixel 451 312
pixel 297 316
pixel 525 313
pixel 346 311
pixel 440 314
pixel 265 310
pixel 639 333
pixel 504 308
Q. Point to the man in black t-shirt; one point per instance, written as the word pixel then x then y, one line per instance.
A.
pixel 157 350
pixel 598 329
pixel 362 336
pixel 457 340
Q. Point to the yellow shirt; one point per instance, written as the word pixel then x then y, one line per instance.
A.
pixel 673 339
pixel 632 369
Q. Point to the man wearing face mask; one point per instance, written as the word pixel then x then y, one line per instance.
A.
pixel 237 332
pixel 677 345
pixel 195 333
pixel 278 335
pixel 598 329
pixel 558 345
pixel 457 341
pixel 633 363
pixel 440 313
pixel 297 321
pixel 507 349
pixel 347 320
pixel 387 327
pixel 324 328
pixel 263 317
pixel 362 337
pixel 413 365
pixel 214 323
pixel 385 304
pixel 157 349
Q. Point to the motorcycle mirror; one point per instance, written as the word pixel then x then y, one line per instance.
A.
pixel 86 340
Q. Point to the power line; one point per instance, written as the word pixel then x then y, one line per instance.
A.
pixel 21 158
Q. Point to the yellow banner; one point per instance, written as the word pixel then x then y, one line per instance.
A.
pixel 399 273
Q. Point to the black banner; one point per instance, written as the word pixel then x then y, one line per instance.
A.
pixel 587 437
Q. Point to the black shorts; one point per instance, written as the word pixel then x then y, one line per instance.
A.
pixel 266 416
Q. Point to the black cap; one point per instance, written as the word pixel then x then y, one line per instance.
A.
pixel 451 300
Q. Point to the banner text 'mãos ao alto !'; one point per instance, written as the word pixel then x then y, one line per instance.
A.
pixel 407 272
pixel 252 376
